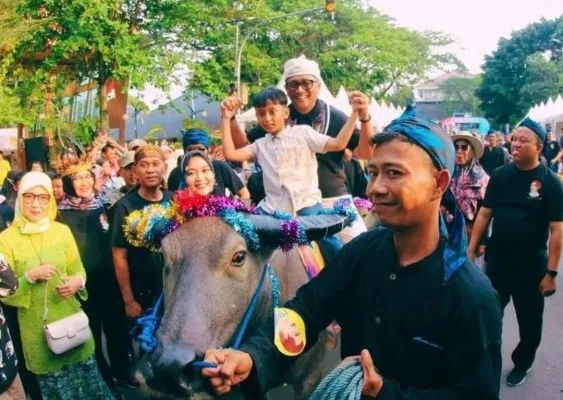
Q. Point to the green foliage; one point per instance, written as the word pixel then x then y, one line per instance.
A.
pixel 135 41
pixel 543 79
pixel 138 104
pixel 459 95
pixel 361 49
pixel 84 129
pixel 191 123
pixel 11 111
pixel 524 70
pixel 153 132
pixel 141 42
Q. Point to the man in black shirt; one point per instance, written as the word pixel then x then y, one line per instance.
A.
pixel 225 176
pixel 139 275
pixel 507 145
pixel 493 157
pixel 525 200
pixel 427 318
pixel 552 152
pixel 303 85
pixel 356 180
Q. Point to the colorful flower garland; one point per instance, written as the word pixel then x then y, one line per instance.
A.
pixel 147 227
pixel 363 203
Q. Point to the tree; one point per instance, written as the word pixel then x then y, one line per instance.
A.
pixel 543 79
pixel 523 71
pixel 459 95
pixel 11 111
pixel 133 41
pixel 360 49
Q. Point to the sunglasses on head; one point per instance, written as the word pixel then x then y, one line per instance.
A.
pixel 306 84
pixel 463 147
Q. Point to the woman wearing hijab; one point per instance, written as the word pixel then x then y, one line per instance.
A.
pixel 470 180
pixel 84 213
pixel 45 258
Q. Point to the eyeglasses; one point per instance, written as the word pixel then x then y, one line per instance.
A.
pixel 29 198
pixel 197 147
pixel 462 147
pixel 306 84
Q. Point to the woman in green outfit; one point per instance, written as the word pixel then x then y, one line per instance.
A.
pixel 44 256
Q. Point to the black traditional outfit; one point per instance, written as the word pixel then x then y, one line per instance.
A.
pixel 433 328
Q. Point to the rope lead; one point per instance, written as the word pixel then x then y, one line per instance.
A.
pixel 344 383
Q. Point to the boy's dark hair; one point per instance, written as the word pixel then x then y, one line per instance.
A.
pixel 56 176
pixel 106 148
pixel 271 94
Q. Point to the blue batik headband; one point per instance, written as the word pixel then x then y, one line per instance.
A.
pixel 438 144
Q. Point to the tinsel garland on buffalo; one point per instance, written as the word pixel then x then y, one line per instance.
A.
pixel 149 226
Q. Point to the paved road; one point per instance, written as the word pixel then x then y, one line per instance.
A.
pixel 545 382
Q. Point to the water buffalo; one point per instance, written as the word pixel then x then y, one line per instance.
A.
pixel 210 276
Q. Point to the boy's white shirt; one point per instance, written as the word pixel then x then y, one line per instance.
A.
pixel 289 166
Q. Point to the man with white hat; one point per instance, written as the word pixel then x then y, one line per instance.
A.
pixel 136 144
pixel 303 84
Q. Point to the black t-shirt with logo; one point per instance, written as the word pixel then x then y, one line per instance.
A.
pixel 332 178
pixel 523 204
pixel 90 229
pixel 144 269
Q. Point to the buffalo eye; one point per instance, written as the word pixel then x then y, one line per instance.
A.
pixel 239 258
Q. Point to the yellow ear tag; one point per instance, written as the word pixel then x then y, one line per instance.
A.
pixel 290 338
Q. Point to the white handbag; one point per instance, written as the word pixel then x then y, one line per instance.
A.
pixel 66 333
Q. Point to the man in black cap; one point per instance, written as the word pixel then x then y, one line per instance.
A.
pixel 525 200
pixel 493 156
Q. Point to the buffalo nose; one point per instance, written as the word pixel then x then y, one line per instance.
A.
pixel 170 359
pixel 164 369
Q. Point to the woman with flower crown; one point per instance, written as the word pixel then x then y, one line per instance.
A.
pixel 82 210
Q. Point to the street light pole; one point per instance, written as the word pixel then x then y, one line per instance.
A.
pixel 239 49
pixel 193 105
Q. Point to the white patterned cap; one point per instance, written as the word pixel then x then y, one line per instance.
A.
pixel 301 66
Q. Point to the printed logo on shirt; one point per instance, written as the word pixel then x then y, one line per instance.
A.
pixel 104 222
pixel 289 332
pixel 535 188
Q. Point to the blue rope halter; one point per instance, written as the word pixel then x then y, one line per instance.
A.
pixel 149 323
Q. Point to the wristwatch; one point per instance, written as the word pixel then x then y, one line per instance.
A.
pixel 365 121
pixel 551 273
